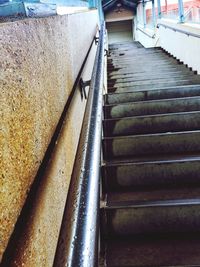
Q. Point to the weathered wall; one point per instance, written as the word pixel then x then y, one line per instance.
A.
pixel 147 37
pixel 39 61
pixel 120 31
pixel 114 15
pixel 183 47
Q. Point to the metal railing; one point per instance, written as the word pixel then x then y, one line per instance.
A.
pixel 179 30
pixel 78 239
pixel 146 33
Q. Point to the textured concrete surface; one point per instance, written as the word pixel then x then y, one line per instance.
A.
pixel 37 245
pixel 40 59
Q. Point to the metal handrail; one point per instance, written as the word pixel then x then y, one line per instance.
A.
pixel 78 239
pixel 146 33
pixel 179 30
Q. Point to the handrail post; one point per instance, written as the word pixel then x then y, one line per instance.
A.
pixel 144 14
pixel 153 13
pixel 78 239
pixel 181 11
pixel 159 9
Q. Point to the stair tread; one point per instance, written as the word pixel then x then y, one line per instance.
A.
pixel 151 135
pixel 161 88
pixel 153 159
pixel 152 101
pixel 138 117
pixel 175 250
pixel 154 197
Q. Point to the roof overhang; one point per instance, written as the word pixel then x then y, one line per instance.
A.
pixel 110 4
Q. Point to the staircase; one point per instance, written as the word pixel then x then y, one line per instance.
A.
pixel 150 212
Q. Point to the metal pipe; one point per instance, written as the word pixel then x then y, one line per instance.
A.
pixel 146 33
pixel 77 244
pixel 144 14
pixel 178 30
pixel 181 11
pixel 153 13
pixel 159 9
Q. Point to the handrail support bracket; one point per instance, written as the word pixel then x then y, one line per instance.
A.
pixel 83 85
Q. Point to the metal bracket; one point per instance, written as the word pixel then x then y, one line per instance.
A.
pixel 106 52
pixel 83 85
pixel 96 39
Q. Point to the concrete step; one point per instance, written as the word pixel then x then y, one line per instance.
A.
pixel 167 71
pixel 137 61
pixel 151 144
pixel 192 79
pixel 167 250
pixel 155 211
pixel 140 66
pixel 152 80
pixel 129 59
pixel 143 95
pixel 155 85
pixel 131 52
pixel 148 70
pixel 161 123
pixel 139 77
pixel 151 107
pixel 159 173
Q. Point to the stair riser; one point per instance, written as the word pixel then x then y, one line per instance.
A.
pixel 156 219
pixel 140 67
pixel 117 54
pixel 165 250
pixel 151 86
pixel 152 60
pixel 151 145
pixel 142 77
pixel 154 174
pixel 152 107
pixel 152 124
pixel 154 82
pixel 153 94
pixel 123 73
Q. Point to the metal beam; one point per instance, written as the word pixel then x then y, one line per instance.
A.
pixel 144 14
pixel 181 11
pixel 159 9
pixel 92 4
pixel 153 13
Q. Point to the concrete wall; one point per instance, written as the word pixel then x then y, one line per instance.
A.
pixel 147 37
pixel 39 62
pixel 114 15
pixel 120 31
pixel 183 47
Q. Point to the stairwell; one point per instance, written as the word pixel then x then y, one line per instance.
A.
pixel 150 212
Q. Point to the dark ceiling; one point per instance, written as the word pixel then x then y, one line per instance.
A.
pixel 110 4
